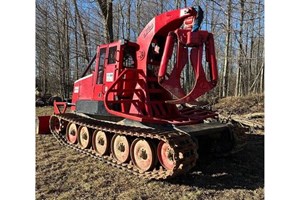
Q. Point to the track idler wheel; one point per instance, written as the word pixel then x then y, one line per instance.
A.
pixel 120 148
pixel 71 133
pixel 166 155
pixel 143 154
pixel 101 142
pixel 84 137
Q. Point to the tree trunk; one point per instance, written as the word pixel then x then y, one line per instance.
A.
pixel 128 20
pixel 76 48
pixel 83 32
pixel 66 51
pixel 212 18
pixel 45 58
pixel 106 9
pixel 250 67
pixel 262 78
pixel 240 56
pixel 226 56
pixel 59 49
pixel 138 15
pixel 261 84
pixel 122 22
pixel 178 4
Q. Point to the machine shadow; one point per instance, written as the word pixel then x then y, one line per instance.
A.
pixel 243 170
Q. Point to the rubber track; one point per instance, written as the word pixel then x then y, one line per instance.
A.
pixel 185 150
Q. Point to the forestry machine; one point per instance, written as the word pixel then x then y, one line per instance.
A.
pixel 133 112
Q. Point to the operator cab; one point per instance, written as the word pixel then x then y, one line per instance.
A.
pixel 109 62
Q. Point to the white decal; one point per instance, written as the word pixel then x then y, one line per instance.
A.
pixel 76 89
pixel 149 28
pixel 109 77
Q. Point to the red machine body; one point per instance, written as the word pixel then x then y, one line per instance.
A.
pixel 136 80
pixel 138 85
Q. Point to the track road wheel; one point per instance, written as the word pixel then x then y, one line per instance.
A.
pixel 100 142
pixel 84 137
pixel 143 155
pixel 54 124
pixel 120 148
pixel 71 133
pixel 165 155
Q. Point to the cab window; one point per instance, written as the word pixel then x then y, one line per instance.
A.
pixel 112 55
pixel 129 59
pixel 101 66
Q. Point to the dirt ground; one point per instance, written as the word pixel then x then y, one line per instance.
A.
pixel 62 173
pixel 240 105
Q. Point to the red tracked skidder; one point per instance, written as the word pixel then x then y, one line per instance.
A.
pixel 125 112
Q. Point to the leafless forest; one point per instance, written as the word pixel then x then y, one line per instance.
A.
pixel 67 33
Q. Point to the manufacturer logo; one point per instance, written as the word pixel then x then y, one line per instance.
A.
pixel 148 29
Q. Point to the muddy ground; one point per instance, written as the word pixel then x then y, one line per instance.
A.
pixel 62 173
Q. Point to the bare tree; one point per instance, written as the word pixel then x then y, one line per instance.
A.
pixel 227 49
pixel 138 14
pixel 240 56
pixel 128 19
pixel 83 32
pixel 106 9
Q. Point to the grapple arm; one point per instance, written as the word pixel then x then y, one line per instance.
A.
pixel 188 46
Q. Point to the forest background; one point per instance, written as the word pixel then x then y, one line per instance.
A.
pixel 68 31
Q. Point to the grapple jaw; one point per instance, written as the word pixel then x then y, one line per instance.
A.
pixel 188 48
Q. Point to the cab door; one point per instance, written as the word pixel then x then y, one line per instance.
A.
pixel 101 62
pixel 112 67
pixel 107 70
